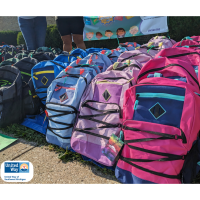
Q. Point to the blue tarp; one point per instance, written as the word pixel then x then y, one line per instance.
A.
pixel 36 122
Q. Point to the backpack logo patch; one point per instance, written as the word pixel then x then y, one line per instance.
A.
pixel 106 95
pixel 63 97
pixel 44 80
pixel 157 111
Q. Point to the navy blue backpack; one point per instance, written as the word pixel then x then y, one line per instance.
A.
pixel 43 74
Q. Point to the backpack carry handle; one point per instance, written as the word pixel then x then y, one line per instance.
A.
pixel 125 66
pixel 57 64
pixel 135 56
pixel 173 64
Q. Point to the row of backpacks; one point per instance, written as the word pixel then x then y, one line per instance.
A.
pixel 148 96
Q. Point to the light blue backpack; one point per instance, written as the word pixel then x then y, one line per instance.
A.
pixel 128 46
pixel 93 69
pixel 111 54
pixel 102 61
pixel 63 98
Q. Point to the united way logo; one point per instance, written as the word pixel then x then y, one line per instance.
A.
pixel 24 167
pixel 16 171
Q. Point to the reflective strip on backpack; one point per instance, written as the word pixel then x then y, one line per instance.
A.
pixel 161 95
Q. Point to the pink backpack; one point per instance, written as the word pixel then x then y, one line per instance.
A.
pixel 160 126
pixel 170 69
pixel 186 54
pixel 130 67
pixel 196 38
pixel 100 114
pixel 138 55
pixel 188 43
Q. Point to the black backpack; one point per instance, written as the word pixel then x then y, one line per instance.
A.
pixel 10 96
pixel 5 56
pixel 31 102
pixel 10 61
pixel 41 56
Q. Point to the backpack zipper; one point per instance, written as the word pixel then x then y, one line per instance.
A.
pixel 184 54
pixel 125 66
pixel 157 95
pixel 44 72
pixel 161 95
pixel 133 56
pixel 104 81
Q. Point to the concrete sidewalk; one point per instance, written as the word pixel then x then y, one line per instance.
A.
pixel 49 169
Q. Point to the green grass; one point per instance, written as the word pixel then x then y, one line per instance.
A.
pixel 30 135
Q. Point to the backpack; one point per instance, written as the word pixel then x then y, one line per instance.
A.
pixel 5 56
pixel 102 61
pixel 112 55
pixel 95 50
pixel 161 42
pixel 31 102
pixel 44 49
pixel 170 69
pixel 160 125
pixel 66 58
pixel 11 96
pixel 9 61
pixel 62 102
pixel 21 55
pixel 56 51
pixel 100 115
pixel 40 56
pixel 188 42
pixel 196 38
pixel 79 53
pixel 149 49
pixel 135 55
pixel 128 46
pixel 132 68
pixel 189 55
pixel 21 47
pixel 43 74
pixel 93 70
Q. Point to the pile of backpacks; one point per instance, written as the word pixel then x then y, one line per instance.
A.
pixel 146 97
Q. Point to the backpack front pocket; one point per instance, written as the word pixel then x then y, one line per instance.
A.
pixel 146 152
pixel 97 121
pixel 63 94
pixel 159 104
pixel 43 78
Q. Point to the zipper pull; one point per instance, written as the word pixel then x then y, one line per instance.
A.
pixel 136 102
pixel 197 93
pixel 130 80
pixel 121 136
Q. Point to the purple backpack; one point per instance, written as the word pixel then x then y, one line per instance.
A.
pixel 166 42
pixel 138 55
pixel 100 114
pixel 130 67
pixel 156 44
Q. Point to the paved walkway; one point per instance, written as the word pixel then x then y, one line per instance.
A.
pixel 49 169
